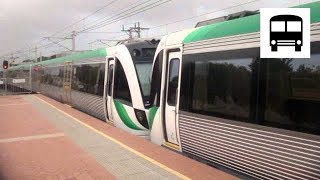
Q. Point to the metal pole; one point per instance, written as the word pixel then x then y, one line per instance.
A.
pixel 73 40
pixel 36 53
pixel 30 78
pixel 130 33
pixel 5 86
pixel 139 30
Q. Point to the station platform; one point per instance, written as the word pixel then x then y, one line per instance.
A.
pixel 41 138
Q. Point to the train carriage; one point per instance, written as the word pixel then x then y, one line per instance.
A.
pixel 127 99
pixel 112 84
pixel 19 80
pixel 76 79
pixel 211 96
pixel 215 99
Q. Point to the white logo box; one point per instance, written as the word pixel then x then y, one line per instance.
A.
pixel 271 25
pixel 17 81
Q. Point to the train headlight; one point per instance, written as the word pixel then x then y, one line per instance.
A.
pixel 298 42
pixel 142 118
pixel 136 52
pixel 273 42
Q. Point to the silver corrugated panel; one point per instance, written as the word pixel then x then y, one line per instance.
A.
pixel 52 91
pixel 35 87
pixel 223 44
pixel 88 103
pixel 259 152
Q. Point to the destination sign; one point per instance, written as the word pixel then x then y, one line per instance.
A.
pixel 17 81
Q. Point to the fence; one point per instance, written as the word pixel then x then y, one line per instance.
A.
pixel 13 86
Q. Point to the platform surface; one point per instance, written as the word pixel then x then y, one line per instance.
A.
pixel 41 138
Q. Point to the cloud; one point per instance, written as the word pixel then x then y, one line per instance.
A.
pixel 24 22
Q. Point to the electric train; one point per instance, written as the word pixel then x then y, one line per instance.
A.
pixel 211 96
pixel 214 99
pixel 112 84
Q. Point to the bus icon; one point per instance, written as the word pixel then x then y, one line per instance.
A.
pixel 286 30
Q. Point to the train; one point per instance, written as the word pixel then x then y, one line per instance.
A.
pixel 206 93
pixel 215 99
pixel 111 84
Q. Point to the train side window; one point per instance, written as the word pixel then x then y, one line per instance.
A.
pixel 156 80
pixel 220 84
pixel 100 80
pixel 238 85
pixel 110 78
pixel 53 76
pixel 121 89
pixel 173 81
pixel 87 78
pixel 293 93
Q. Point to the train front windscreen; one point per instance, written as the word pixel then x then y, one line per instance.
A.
pixel 142 54
pixel 143 69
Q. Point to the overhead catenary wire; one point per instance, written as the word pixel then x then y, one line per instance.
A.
pixel 131 14
pixel 86 17
pixel 204 14
pixel 121 11
pixel 144 8
pixel 102 41
pixel 102 32
pixel 147 7
pixel 72 24
pixel 125 14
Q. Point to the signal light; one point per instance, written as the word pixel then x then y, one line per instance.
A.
pixel 5 65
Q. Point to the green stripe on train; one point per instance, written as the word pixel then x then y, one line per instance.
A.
pixel 124 116
pixel 73 57
pixel 245 25
pixel 77 56
pixel 152 114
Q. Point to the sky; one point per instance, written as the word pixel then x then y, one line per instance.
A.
pixel 25 23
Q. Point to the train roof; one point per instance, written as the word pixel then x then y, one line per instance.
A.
pixel 102 52
pixel 23 66
pixel 244 25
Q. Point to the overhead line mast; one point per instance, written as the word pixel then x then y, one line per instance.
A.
pixel 136 29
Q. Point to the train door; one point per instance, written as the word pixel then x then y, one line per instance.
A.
pixel 109 89
pixel 67 80
pixel 171 101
